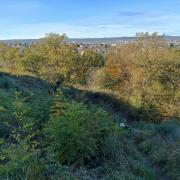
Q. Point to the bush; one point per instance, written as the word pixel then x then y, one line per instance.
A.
pixel 20 162
pixel 79 133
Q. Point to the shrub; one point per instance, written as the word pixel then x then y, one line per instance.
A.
pixel 20 162
pixel 78 134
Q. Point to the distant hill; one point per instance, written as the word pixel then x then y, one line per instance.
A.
pixel 87 40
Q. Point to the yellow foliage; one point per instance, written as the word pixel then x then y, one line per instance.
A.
pixel 147 75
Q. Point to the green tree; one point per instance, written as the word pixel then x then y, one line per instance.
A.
pixel 85 66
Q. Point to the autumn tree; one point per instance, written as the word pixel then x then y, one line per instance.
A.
pixel 9 59
pixel 51 58
pixel 146 75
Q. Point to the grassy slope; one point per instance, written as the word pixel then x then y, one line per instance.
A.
pixel 146 151
pixel 158 145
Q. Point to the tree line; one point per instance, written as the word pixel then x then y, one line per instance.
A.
pixel 146 74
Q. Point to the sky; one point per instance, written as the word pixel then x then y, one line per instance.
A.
pixel 29 19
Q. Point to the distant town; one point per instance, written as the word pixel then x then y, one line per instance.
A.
pixel 99 45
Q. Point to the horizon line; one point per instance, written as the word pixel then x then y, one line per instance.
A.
pixel 13 39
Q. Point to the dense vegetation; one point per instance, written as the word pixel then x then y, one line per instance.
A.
pixel 70 129
pixel 146 74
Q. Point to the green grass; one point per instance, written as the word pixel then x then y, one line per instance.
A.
pixel 145 151
pixel 161 144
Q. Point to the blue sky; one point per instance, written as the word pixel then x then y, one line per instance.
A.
pixel 87 18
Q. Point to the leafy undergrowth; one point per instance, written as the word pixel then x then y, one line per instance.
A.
pixel 160 143
pixel 75 135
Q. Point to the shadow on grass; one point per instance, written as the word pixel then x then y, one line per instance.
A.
pixel 113 104
pixel 22 81
pixel 109 102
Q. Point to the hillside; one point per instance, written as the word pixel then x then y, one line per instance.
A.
pixel 139 151
pixel 71 115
